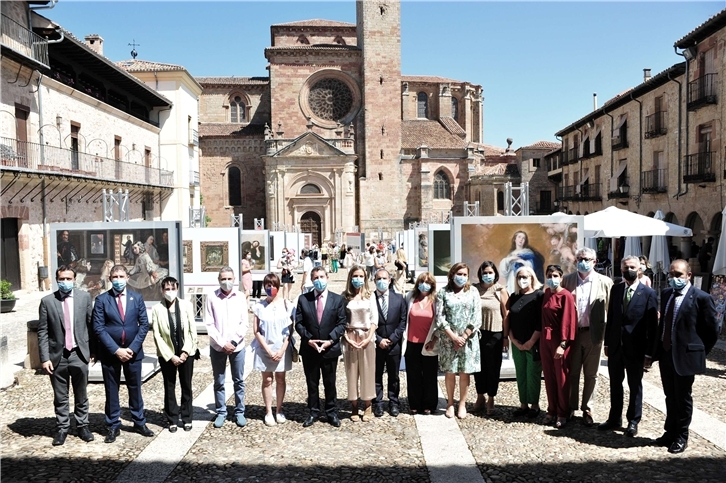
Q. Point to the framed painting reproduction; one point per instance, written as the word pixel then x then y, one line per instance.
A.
pixel 188 256
pixel 215 255
pixel 97 243
pixel 257 243
pixel 439 250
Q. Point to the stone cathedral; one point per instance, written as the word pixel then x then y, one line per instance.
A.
pixel 336 138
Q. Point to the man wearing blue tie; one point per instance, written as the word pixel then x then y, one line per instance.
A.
pixel 120 323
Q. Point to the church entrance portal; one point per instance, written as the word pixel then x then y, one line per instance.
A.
pixel 310 223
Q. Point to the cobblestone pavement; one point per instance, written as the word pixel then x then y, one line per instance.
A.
pixel 387 449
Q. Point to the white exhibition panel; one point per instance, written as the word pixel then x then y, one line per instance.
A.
pixel 198 278
pixel 440 260
pixel 277 243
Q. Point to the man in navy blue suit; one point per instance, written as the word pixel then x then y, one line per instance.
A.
pixel 120 323
pixel 629 343
pixel 687 332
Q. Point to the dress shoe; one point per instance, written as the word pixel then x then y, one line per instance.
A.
pixel 111 436
pixel 187 426
pixel 173 428
pixel 587 418
pixel 632 430
pixel 378 411
pixel 666 440
pixel 520 411
pixel 143 430
pixel 85 434
pixel 334 421
pixel 678 446
pixel 309 421
pixel 608 425
pixel 394 411
pixel 60 437
pixel 533 413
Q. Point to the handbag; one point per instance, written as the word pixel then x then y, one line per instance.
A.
pixel 295 356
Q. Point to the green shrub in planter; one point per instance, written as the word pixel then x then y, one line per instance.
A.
pixel 5 292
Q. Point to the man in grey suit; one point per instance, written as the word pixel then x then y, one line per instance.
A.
pixel 67 345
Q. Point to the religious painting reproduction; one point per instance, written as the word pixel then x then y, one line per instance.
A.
pixel 215 256
pixel 92 249
pixel 422 248
pixel 256 242
pixel 514 242
pixel 439 249
pixel 187 256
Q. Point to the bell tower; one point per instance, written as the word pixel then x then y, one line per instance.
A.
pixel 382 196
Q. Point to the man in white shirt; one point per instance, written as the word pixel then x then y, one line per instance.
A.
pixel 307 281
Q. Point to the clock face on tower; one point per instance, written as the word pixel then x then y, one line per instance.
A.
pixel 330 99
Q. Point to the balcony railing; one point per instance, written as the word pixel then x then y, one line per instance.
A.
pixel 655 125
pixel 193 178
pixel 38 157
pixel 24 41
pixel 554 163
pixel 590 192
pixel 702 91
pixel 699 167
pixel 193 137
pixel 619 188
pixel 568 193
pixel 570 156
pixel 655 181
pixel 621 141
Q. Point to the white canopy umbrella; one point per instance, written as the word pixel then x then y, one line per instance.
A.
pixel 632 247
pixel 591 243
pixel 658 257
pixel 613 222
pixel 719 262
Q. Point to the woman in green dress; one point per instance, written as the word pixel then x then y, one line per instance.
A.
pixel 457 324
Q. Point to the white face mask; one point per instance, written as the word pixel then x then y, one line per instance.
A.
pixel 170 295
pixel 523 283
pixel 226 285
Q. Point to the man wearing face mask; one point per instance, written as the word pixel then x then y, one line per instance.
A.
pixel 175 336
pixel 121 325
pixel 225 316
pixel 320 320
pixel 67 344
pixel 592 295
pixel 392 314
pixel 687 332
pixel 629 344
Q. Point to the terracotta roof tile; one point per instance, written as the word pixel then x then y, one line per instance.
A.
pixel 542 145
pixel 428 78
pixel 489 150
pixel 283 48
pixel 415 133
pixel 233 80
pixel 452 126
pixel 148 66
pixel 713 24
pixel 497 169
pixel 212 129
pixel 315 22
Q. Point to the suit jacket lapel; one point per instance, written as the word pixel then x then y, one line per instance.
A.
pixel 58 305
pixel 687 301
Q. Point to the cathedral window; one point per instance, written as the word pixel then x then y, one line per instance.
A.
pixel 234 186
pixel 330 99
pixel 423 105
pixel 310 189
pixel 442 186
pixel 237 110
pixel 455 108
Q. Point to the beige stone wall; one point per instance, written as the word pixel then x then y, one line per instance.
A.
pixel 290 36
pixel 214 103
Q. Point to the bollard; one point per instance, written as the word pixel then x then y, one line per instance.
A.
pixel 6 375
pixel 32 360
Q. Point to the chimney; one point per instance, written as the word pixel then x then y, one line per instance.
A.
pixel 646 75
pixel 594 101
pixel 95 42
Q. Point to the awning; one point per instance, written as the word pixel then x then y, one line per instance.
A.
pixel 582 145
pixel 585 177
pixel 614 180
pixel 593 137
pixel 621 121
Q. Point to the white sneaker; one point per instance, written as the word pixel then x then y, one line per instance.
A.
pixel 281 419
pixel 269 420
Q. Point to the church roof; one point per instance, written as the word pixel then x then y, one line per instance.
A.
pixel 211 129
pixel 549 145
pixel 327 47
pixel 428 78
pixel 136 65
pixel 315 22
pixel 233 80
pixel 452 126
pixel 489 150
pixel 415 133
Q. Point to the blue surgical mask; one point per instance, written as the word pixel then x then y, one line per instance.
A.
pixel 553 283
pixel 119 285
pixel 460 280
pixel 487 278
pixel 382 285
pixel 677 283
pixel 584 267
pixel 424 287
pixel 65 287
pixel 357 282
pixel 320 284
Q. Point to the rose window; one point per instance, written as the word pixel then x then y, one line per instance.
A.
pixel 330 99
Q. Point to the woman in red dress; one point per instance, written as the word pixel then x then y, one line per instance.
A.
pixel 559 322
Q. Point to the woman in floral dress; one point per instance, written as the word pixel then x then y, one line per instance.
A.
pixel 457 325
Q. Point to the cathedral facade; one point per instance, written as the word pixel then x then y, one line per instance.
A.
pixel 336 138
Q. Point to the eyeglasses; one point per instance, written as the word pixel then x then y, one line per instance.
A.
pixel 585 259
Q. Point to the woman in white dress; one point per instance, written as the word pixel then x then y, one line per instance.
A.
pixel 272 345
pixel 359 350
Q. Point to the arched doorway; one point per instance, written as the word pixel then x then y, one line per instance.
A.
pixel 695 223
pixel 310 223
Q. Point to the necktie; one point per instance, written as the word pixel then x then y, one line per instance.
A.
pixel 628 296
pixel 320 307
pixel 121 311
pixel 384 306
pixel 67 321
pixel 668 322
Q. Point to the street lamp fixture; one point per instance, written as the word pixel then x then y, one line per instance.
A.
pixel 624 188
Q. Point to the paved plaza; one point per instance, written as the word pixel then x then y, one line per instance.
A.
pixel 403 449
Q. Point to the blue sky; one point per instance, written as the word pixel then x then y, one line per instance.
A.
pixel 538 62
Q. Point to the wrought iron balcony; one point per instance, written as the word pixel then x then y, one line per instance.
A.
pixel 590 192
pixel 702 91
pixel 622 190
pixel 21 42
pixel 621 141
pixel 700 167
pixel 35 157
pixel 570 156
pixel 655 125
pixel 655 181
pixel 193 178
pixel 568 193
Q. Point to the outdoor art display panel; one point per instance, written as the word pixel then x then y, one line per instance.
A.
pixel 513 242
pixel 439 250
pixel 150 251
pixel 257 243
pixel 421 251
pixel 356 242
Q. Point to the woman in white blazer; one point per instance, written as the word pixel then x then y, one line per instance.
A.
pixel 175 336
pixel 419 346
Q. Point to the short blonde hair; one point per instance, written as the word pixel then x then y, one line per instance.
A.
pixel 536 284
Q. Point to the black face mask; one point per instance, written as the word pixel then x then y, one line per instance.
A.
pixel 630 275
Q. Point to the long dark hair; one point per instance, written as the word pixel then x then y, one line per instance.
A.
pixel 487 264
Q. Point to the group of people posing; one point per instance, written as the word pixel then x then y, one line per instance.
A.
pixel 459 329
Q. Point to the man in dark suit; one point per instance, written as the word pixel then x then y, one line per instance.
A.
pixel 632 322
pixel 392 314
pixel 67 344
pixel 320 320
pixel 687 332
pixel 121 324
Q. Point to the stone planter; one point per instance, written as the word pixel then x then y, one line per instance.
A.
pixel 7 305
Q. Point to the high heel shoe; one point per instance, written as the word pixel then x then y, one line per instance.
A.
pixel 367 414
pixel 450 412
